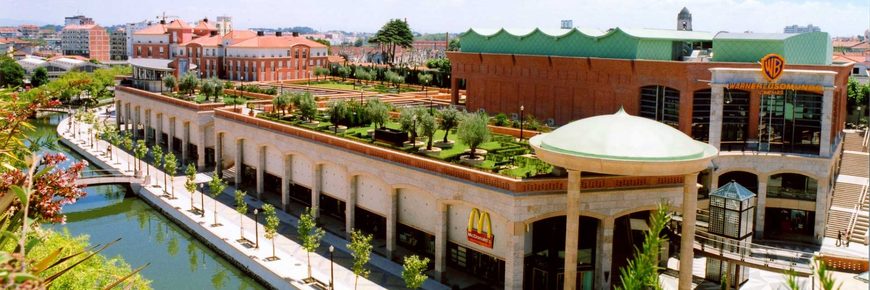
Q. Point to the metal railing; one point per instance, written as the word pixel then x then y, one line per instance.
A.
pixel 855 210
pixel 755 254
pixel 94 173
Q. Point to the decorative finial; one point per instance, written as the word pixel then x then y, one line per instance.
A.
pixel 621 111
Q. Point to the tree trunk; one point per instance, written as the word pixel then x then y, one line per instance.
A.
pixel 473 149
pixel 309 264
pixel 446 132
pixel 273 246
pixel 241 226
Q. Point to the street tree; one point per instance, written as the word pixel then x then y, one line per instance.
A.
pixel 394 34
pixel 190 181
pixel 473 131
pixel 216 186
pixel 157 152
pixel 360 247
pixel 140 151
pixel 413 271
pixel 309 233
pixel 128 145
pixel 271 227
pixel 242 209
pixel 170 165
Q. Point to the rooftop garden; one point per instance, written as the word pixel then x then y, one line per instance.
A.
pixel 447 134
pixel 202 91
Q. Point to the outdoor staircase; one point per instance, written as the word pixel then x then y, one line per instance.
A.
pixel 849 206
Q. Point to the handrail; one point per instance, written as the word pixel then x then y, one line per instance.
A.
pixel 786 259
pixel 855 210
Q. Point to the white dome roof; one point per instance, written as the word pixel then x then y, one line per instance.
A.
pixel 621 136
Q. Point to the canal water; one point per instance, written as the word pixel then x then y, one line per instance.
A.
pixel 178 260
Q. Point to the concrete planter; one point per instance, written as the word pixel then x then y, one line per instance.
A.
pixel 466 159
pixel 341 128
pixel 444 145
pixel 435 152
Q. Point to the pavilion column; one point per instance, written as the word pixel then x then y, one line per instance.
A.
pixel 717 100
pixel 761 202
pixel 118 111
pixel 827 116
pixel 158 136
pixel 240 146
pixel 516 255
pixel 604 254
pixel 285 182
pixel 441 228
pixel 350 205
pixel 572 229
pixel 822 199
pixel 171 135
pixel 185 141
pixel 261 169
pixel 392 221
pixel 315 188
pixel 200 148
pixel 687 253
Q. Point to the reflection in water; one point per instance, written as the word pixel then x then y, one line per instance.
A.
pixel 110 211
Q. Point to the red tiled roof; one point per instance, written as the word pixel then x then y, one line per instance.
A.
pixel 237 36
pixel 206 41
pixel 177 24
pixel 862 45
pixel 155 29
pixel 204 25
pixel 272 41
pixel 8 30
pixel 845 43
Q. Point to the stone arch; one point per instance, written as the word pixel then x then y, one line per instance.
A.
pixel 794 171
pixel 648 207
pixel 586 213
pixel 746 178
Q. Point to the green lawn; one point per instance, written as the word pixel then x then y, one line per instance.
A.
pixel 372 87
pixel 503 157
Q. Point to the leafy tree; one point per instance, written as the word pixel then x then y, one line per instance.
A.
pixel 424 79
pixel 363 75
pixel 408 122
pixel 216 88
pixel 170 81
pixel 11 73
pixel 392 35
pixel 320 71
pixel 337 113
pixel 378 112
pixel 229 85
pixel 233 101
pixel 449 120
pixel 427 127
pixel 309 233
pixel 188 83
pixel 453 45
pixel 358 42
pixel 413 271
pixel 207 88
pixel 395 79
pixel 158 161
pixel 128 144
pixel 242 209
pixel 40 77
pixel 141 151
pixel 280 103
pixel 642 271
pixel 190 181
pixel 307 106
pixel 473 130
pixel 271 227
pixel 170 165
pixel 216 186
pixel 344 72
pixel 360 247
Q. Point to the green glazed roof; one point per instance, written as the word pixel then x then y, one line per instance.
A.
pixel 621 136
pixel 734 191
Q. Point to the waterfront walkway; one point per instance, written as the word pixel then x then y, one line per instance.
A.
pixel 285 273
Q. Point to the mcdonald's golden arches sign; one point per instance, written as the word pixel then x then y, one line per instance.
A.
pixel 480 228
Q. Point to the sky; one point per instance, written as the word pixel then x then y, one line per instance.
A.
pixel 838 17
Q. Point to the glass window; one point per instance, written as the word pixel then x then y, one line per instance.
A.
pixel 661 104
pixel 791 122
pixel 792 186
pixel 701 115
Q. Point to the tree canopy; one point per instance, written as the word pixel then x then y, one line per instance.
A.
pixel 11 73
pixel 395 33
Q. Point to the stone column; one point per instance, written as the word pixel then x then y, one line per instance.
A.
pixel 350 205
pixel 137 113
pixel 158 136
pixel 604 254
pixel 717 100
pixel 261 169
pixel 285 182
pixel 392 221
pixel 822 198
pixel 317 178
pixel 170 136
pixel 761 201
pixel 218 153
pixel 200 148
pixel 128 118
pixel 572 229
pixel 441 228
pixel 827 112
pixel 687 253
pixel 516 255
pixel 185 141
pixel 147 124
pixel 240 159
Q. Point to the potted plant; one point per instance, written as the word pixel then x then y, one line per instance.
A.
pixel 473 131
pixel 449 119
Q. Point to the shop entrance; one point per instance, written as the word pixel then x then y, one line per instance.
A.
pixel 545 268
pixel 789 224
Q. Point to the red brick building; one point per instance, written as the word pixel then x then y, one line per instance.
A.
pixel 274 58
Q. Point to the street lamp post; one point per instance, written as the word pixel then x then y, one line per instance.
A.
pixel 331 263
pixel 522 108
pixel 256 229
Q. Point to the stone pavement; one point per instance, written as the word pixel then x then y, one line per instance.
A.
pixel 292 263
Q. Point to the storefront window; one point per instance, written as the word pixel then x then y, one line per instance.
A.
pixel 483 266
pixel 789 224
pixel 416 241
pixel 701 115
pixel 792 186
pixel 660 103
